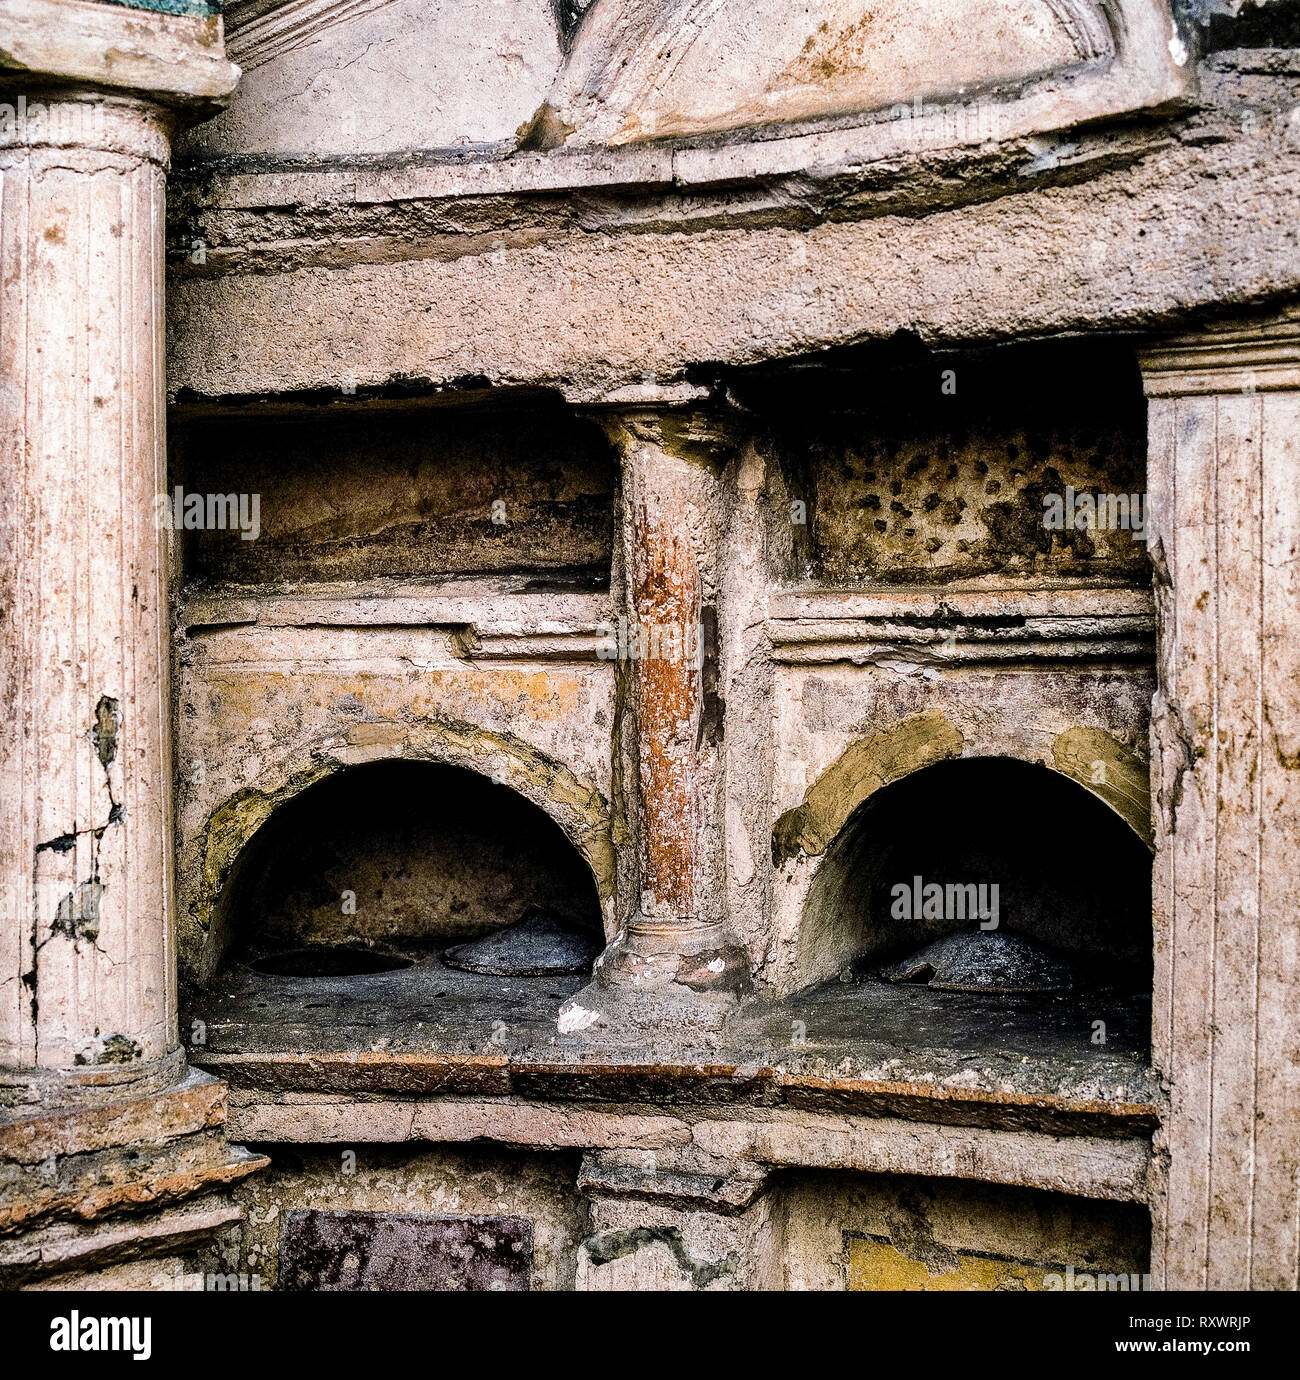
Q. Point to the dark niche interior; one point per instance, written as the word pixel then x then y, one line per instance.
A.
pixel 392 864
pixel 524 492
pixel 1072 878
pixel 920 468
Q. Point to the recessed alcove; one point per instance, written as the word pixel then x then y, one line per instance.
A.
pixel 427 494
pixel 921 469
pixel 1047 860
pixel 1073 877
pixel 387 864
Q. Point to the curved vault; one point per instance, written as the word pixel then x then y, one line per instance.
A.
pixel 1072 872
pixel 643 69
pixel 429 852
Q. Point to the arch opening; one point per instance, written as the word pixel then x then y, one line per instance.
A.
pixel 1033 854
pixel 387 864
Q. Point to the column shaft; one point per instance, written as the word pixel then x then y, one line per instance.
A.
pixel 675 940
pixel 86 973
pixel 669 503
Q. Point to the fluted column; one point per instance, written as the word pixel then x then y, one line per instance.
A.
pixel 675 941
pixel 86 970
pixel 109 1148
pixel 1224 480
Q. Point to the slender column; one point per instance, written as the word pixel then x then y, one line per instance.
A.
pixel 87 982
pixel 1224 481
pixel 675 941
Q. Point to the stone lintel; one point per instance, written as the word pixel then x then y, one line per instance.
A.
pixel 702 1146
pixel 684 1179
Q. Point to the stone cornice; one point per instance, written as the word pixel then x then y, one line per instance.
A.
pixel 176 59
pixel 1231 357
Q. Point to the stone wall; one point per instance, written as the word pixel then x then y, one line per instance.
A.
pixel 625 438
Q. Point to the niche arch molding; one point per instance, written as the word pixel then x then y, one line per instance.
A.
pixel 805 838
pixel 575 806
pixel 646 70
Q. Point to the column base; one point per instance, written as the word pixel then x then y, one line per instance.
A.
pixel 92 1186
pixel 657 977
pixel 24 1091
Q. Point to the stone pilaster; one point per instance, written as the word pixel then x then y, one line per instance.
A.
pixel 1224 484
pixel 675 943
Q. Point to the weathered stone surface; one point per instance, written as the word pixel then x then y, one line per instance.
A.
pixel 108 1126
pixel 482 1181
pixel 539 730
pixel 66 1246
pixel 106 1183
pixel 84 849
pixel 942 713
pixel 674 941
pixel 197 1104
pixel 871 1046
pixel 763 244
pixel 642 70
pixel 929 1225
pixel 394 75
pixel 1090 1166
pixel 438 494
pixel 1042 249
pixel 177 58
pixel 472 78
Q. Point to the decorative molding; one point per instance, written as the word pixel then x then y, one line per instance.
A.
pixel 629 57
pixel 258 31
pixel 931 630
pixel 1233 357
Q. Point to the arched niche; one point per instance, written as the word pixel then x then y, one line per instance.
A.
pixel 1071 872
pixel 275 864
pixel 643 69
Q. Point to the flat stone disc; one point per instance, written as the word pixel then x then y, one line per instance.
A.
pixel 538 944
pixel 984 961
